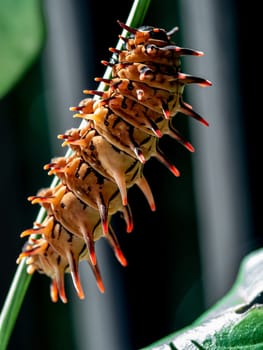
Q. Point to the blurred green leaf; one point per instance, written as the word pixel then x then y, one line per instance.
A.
pixel 236 322
pixel 21 39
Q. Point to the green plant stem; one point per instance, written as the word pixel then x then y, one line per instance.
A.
pixel 16 294
pixel 13 303
pixel 21 280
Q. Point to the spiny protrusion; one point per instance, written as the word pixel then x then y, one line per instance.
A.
pixel 187 109
pixel 128 28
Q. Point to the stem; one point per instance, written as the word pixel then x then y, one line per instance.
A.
pixel 13 303
pixel 22 279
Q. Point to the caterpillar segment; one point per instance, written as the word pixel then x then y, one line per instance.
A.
pixel 108 153
pixel 51 256
pixel 110 162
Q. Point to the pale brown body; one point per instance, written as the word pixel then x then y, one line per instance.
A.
pixel 108 153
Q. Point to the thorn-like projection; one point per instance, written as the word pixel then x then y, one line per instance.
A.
pixel 190 79
pixel 187 109
pixel 139 154
pixel 93 92
pixel 166 112
pixel 126 27
pixel 114 50
pixel 165 161
pixel 106 63
pixel 182 51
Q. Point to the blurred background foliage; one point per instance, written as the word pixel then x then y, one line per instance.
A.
pixel 50 52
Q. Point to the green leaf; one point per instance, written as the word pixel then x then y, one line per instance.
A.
pixel 236 322
pixel 21 39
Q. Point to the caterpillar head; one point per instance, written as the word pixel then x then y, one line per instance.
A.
pixel 149 34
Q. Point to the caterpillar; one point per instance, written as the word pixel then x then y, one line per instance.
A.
pixel 119 133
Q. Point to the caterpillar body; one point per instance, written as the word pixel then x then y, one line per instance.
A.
pixel 108 151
